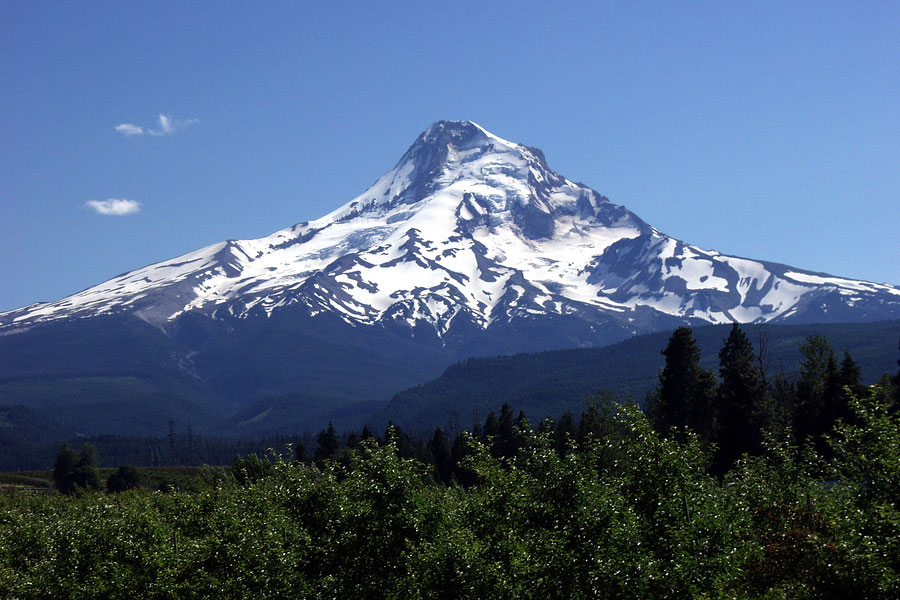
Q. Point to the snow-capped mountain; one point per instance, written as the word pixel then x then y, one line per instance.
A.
pixel 469 230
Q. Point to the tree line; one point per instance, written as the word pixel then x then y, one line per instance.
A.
pixel 735 411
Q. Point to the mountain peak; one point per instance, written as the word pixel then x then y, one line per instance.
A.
pixel 472 229
pixel 444 139
pixel 456 133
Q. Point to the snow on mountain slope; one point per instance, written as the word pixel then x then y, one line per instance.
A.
pixel 468 225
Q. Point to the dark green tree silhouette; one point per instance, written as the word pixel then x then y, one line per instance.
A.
pixel 401 440
pixel 76 470
pixel 851 375
pixel 64 469
pixel 810 414
pixel 741 400
pixel 300 451
pixel 87 475
pixel 439 446
pixel 327 444
pixel 459 452
pixel 366 434
pixel 505 439
pixel 686 393
pixel 564 433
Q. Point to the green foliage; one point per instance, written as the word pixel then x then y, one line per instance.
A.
pixel 867 466
pixel 250 468
pixel 621 510
pixel 125 478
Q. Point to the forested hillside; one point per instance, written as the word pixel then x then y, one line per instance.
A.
pixel 551 383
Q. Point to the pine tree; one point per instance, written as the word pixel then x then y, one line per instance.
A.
pixel 367 434
pixel 818 389
pixel 401 440
pixel 834 401
pixel 458 452
pixel 441 454
pixel 327 444
pixel 741 398
pixel 564 433
pixel 851 374
pixel 505 440
pixel 300 451
pixel 686 393
pixel 491 425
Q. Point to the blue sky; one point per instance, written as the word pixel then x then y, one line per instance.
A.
pixel 769 130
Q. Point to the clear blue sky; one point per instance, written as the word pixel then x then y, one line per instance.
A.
pixel 769 130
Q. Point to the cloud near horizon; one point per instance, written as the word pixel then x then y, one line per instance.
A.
pixel 114 206
pixel 167 126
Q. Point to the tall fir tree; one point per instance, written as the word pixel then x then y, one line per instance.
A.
pixel 505 440
pixel 819 397
pixel 564 432
pixel 686 393
pixel 741 400
pixel 441 454
pixel 327 444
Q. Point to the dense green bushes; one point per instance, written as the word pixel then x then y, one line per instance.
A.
pixel 629 514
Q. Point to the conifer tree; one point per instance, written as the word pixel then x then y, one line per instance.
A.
pixel 686 393
pixel 401 440
pixel 565 431
pixel 851 374
pixel 741 398
pixel 441 453
pixel 300 451
pixel 366 434
pixel 458 452
pixel 505 441
pixel 820 396
pixel 491 425
pixel 327 444
pixel 837 378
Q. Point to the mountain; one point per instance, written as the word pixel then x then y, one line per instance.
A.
pixel 467 230
pixel 470 246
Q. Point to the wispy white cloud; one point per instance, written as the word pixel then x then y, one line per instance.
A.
pixel 129 129
pixel 167 126
pixel 114 206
